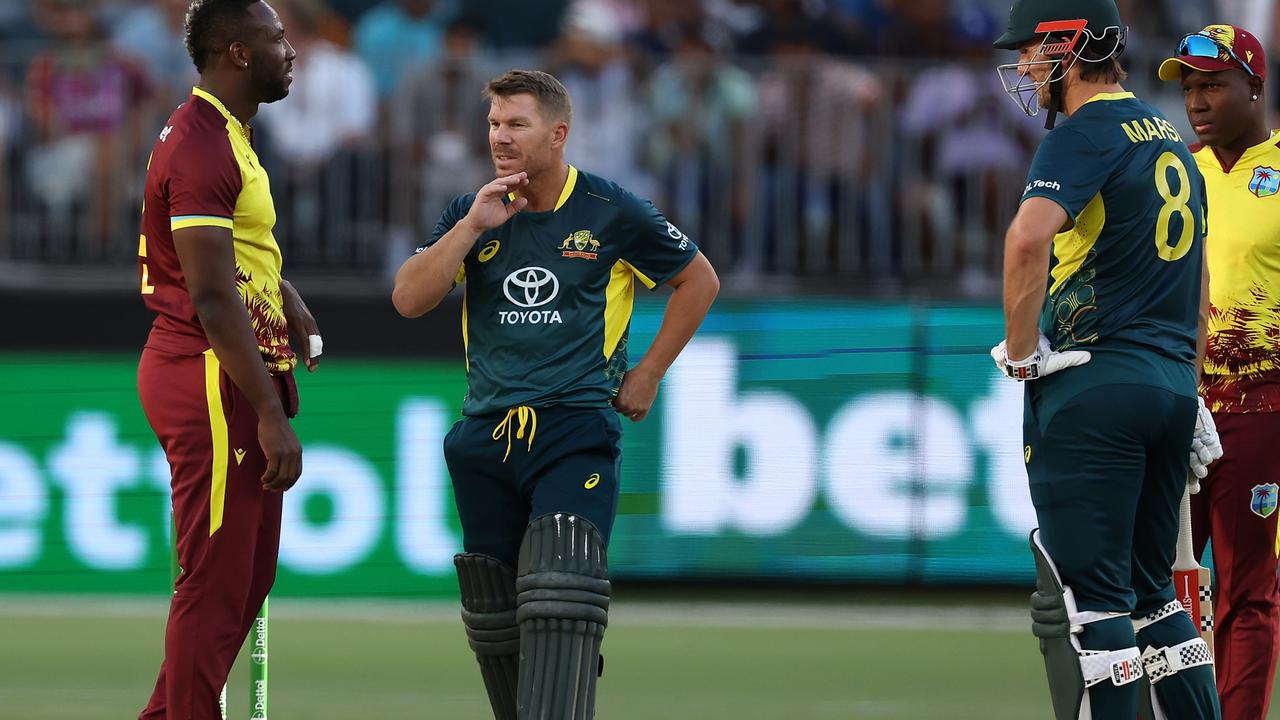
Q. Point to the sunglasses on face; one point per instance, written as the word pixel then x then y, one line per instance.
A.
pixel 1203 46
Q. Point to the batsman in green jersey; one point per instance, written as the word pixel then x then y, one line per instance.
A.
pixel 550 256
pixel 1104 288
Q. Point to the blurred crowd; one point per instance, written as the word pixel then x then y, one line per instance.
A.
pixel 793 138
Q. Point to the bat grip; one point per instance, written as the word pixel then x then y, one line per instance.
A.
pixel 1186 559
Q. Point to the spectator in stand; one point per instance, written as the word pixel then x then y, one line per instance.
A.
pixel 792 17
pixel 153 33
pixel 440 143
pixel 333 103
pixel 701 104
pixel 398 34
pixel 917 28
pixel 20 33
pixel 859 24
pixel 20 36
pixel 609 125
pixel 631 14
pixel 818 153
pixel 10 116
pixel 972 146
pixel 320 134
pixel 350 10
pixel 514 28
pixel 83 100
pixel 1155 24
pixel 730 22
pixel 664 25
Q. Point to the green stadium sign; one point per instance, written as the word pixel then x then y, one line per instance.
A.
pixel 793 440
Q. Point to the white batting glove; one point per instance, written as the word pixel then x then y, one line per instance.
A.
pixel 1206 446
pixel 1044 361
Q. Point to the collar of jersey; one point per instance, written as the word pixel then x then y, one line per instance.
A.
pixel 1111 96
pixel 214 101
pixel 569 183
pixel 1246 157
pixel 1263 146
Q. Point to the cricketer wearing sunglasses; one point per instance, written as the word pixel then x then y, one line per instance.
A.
pixel 1103 286
pixel 1222 70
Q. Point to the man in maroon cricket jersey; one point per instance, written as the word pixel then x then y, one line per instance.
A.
pixel 216 378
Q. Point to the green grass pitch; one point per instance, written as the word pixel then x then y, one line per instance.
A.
pixel 668 659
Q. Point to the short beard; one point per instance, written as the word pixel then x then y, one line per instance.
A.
pixel 533 167
pixel 268 89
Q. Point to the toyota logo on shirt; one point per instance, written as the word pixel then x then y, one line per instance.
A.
pixel 531 287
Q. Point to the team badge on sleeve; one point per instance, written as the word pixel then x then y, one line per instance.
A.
pixel 1263 500
pixel 1265 182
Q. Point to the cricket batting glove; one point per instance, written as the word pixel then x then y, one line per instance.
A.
pixel 1044 361
pixel 1205 446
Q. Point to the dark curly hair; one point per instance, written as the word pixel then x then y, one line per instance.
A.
pixel 211 26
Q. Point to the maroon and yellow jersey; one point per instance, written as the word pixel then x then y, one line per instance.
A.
pixel 204 172
pixel 1242 364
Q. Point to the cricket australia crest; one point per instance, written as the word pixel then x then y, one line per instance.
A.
pixel 1262 500
pixel 1265 182
pixel 581 244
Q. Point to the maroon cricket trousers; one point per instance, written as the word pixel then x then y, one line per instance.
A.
pixel 1237 510
pixel 226 524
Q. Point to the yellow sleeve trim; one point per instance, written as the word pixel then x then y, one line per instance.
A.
pixel 189 221
pixel 648 282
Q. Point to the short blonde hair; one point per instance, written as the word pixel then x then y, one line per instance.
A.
pixel 550 94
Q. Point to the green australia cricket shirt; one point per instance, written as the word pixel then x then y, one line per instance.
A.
pixel 548 295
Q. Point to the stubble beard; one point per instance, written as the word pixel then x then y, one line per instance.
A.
pixel 269 89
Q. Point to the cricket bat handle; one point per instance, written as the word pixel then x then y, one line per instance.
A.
pixel 1192 583
pixel 1185 560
